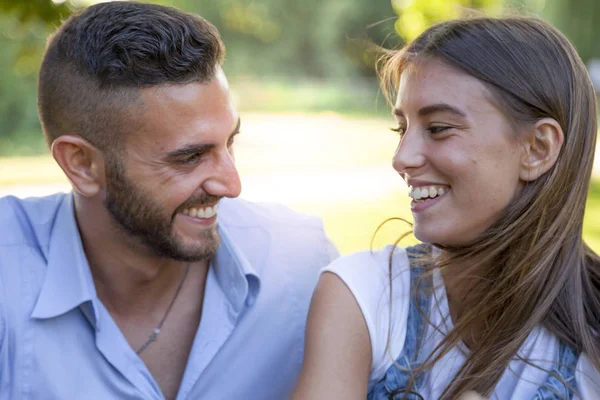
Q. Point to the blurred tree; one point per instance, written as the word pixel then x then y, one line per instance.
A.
pixel 45 10
pixel 579 21
pixel 311 38
pixel 21 46
pixel 417 15
pixel 289 41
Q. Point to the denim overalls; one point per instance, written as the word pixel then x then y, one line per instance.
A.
pixel 391 386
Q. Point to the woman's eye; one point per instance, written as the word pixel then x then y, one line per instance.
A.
pixel 438 129
pixel 399 130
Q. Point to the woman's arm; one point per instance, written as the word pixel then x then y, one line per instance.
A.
pixel 337 356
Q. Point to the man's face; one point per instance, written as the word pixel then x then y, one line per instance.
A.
pixel 176 168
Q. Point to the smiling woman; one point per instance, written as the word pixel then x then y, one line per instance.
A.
pixel 458 141
pixel 497 128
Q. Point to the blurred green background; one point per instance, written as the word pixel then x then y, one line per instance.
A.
pixel 315 127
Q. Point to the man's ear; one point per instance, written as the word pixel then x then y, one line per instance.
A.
pixel 541 147
pixel 81 161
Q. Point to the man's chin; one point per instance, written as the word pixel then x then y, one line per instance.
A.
pixel 186 255
pixel 193 250
pixel 193 257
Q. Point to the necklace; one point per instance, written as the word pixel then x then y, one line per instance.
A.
pixel 154 334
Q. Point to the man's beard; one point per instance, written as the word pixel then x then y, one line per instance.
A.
pixel 134 209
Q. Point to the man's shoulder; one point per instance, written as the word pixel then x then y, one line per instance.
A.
pixel 274 232
pixel 243 213
pixel 28 221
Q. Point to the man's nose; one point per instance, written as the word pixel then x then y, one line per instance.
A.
pixel 225 180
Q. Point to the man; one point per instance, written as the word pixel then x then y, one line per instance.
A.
pixel 149 281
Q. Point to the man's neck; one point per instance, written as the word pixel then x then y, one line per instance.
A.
pixel 129 277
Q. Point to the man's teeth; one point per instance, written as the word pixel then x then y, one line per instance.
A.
pixel 206 212
pixel 424 192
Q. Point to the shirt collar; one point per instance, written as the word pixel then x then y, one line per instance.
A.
pixel 68 281
pixel 234 272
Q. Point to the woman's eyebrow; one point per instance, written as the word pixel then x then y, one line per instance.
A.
pixel 432 109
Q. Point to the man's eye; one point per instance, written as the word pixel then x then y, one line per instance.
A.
pixel 230 141
pixel 191 159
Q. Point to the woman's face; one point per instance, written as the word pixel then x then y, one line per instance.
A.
pixel 458 153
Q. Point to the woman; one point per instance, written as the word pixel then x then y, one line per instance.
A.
pixel 497 126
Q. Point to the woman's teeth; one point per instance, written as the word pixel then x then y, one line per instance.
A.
pixel 206 212
pixel 424 192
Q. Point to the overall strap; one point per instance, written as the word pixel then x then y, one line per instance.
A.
pixel 396 379
pixel 561 383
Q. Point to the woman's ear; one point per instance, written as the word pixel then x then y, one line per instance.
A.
pixel 81 162
pixel 541 146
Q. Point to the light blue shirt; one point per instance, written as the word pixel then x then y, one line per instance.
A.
pixel 58 341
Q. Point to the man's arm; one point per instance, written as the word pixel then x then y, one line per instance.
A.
pixel 2 326
pixel 337 357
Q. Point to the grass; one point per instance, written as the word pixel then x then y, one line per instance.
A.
pixel 29 170
pixel 22 142
pixel 269 142
pixel 352 226
pixel 316 163
pixel 591 223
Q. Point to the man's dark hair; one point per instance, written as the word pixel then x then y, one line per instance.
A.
pixel 97 61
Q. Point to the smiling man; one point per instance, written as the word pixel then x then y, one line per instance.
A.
pixel 150 280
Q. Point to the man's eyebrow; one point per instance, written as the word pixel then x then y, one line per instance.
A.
pixel 191 149
pixel 432 109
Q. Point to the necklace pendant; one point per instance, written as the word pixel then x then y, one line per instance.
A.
pixel 156 331
pixel 154 334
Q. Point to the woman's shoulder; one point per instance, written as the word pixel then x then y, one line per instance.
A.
pixel 380 284
pixel 376 269
pixel 371 262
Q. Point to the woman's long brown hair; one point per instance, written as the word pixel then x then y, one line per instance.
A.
pixel 537 269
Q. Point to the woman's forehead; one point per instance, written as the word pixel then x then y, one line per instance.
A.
pixel 432 81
